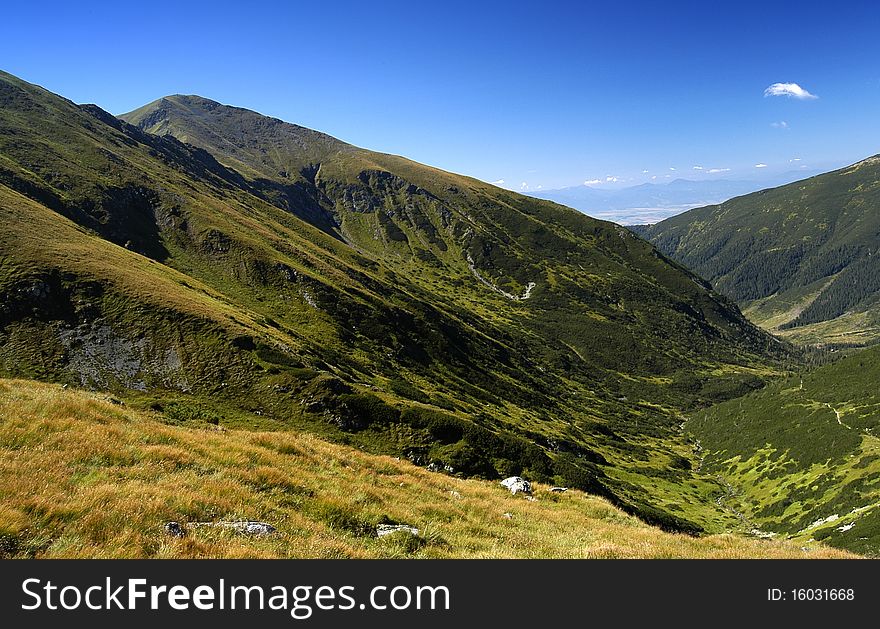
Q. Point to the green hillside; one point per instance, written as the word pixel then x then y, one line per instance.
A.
pixel 801 260
pixel 241 271
pixel 802 457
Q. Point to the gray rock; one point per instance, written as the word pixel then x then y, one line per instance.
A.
pixel 250 528
pixel 387 529
pixel 174 529
pixel 244 527
pixel 558 490
pixel 517 484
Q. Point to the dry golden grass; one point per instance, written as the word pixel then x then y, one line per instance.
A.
pixel 83 477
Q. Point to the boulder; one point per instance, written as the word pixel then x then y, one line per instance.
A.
pixel 244 527
pixel 387 529
pixel 249 527
pixel 517 484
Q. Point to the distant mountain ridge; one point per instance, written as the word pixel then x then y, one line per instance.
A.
pixel 802 259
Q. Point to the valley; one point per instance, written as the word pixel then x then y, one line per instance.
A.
pixel 803 454
pixel 277 316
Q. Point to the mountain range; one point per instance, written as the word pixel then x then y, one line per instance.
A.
pixel 196 273
pixel 213 263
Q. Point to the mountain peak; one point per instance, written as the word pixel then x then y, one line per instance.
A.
pixel 249 141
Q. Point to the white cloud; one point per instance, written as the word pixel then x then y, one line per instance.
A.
pixel 760 165
pixel 611 179
pixel 789 90
pixel 539 187
pixel 500 182
pixel 718 170
pixel 794 159
pixel 524 186
pixel 592 182
pixel 782 124
pixel 671 168
pixel 698 168
pixel 644 172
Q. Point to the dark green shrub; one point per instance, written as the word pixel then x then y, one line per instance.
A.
pixel 441 427
pixel 405 389
pixel 360 410
pixel 275 356
pixel 181 411
pixel 681 463
pixel 579 474
pixel 470 461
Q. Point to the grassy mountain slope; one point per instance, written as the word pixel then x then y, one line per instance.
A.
pixel 801 260
pixel 445 231
pixel 101 480
pixel 802 456
pixel 266 276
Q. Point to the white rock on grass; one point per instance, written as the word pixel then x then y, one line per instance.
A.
pixel 249 528
pixel 388 529
pixel 517 484
pixel 244 527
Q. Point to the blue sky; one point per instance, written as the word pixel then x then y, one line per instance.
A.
pixel 548 94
